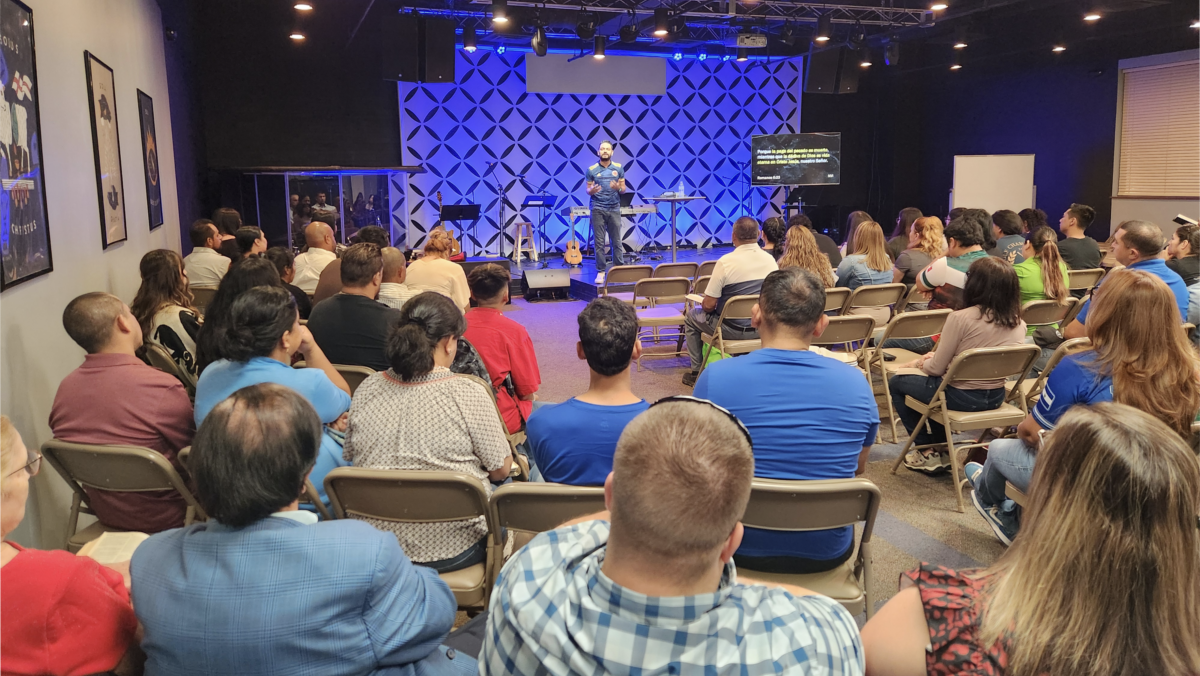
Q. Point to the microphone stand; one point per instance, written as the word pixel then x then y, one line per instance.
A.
pixel 500 189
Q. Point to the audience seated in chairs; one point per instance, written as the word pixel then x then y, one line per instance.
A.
pixel 1079 251
pixel 925 245
pixel 869 262
pixel 1032 219
pixel 738 273
pixel 651 588
pixel 1008 231
pixel 504 345
pixel 436 272
pixel 115 398
pixel 394 292
pixel 1136 245
pixel 228 222
pixel 991 318
pixel 1103 579
pixel 205 266
pixel 1042 275
pixel 853 221
pixel 351 327
pixel 330 282
pixel 262 587
pixel 773 231
pixel 285 264
pixel 210 345
pixel 318 237
pixel 257 345
pixel 1138 357
pixel 419 415
pixel 573 442
pixel 945 278
pixel 824 242
pixel 800 251
pixel 63 614
pixel 163 307
pixel 901 234
pixel 811 416
pixel 250 240
pixel 1184 253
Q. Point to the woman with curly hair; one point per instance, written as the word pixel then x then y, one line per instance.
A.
pixel 800 251
pixel 773 233
pixel 163 306
pixel 435 272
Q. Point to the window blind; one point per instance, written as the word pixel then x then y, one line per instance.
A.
pixel 1160 132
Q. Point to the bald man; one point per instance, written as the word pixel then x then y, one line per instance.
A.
pixel 309 265
pixel 394 292
pixel 114 398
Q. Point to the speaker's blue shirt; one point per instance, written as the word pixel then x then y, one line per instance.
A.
pixel 607 198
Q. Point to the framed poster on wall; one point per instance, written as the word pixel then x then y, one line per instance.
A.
pixel 150 159
pixel 24 230
pixel 102 95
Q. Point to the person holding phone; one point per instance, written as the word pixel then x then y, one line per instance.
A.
pixel 605 181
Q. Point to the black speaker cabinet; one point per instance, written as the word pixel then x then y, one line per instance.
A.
pixel 831 71
pixel 414 48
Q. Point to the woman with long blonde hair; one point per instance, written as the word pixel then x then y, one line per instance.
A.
pixel 800 251
pixel 853 222
pixel 163 306
pixel 1139 357
pixel 925 245
pixel 1105 582
pixel 870 263
pixel 435 272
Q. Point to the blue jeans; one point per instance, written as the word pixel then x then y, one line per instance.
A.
pixel 914 345
pixel 1008 460
pixel 922 389
pixel 607 222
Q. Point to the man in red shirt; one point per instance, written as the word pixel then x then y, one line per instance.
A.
pixel 114 398
pixel 503 344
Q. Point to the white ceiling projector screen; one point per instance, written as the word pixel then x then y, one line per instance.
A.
pixel 993 182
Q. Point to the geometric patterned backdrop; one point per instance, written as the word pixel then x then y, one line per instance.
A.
pixel 698 132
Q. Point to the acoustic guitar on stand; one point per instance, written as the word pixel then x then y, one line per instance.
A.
pixel 572 255
pixel 455 249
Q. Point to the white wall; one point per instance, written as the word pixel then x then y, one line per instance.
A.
pixel 35 352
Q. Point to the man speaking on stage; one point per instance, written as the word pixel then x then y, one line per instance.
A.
pixel 605 183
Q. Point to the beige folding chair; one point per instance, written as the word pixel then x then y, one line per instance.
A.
pixel 985 363
pixel 202 296
pixel 310 495
pixel 354 375
pixel 1074 311
pixel 124 469
pixel 159 358
pixel 527 509
pixel 661 294
pixel 922 324
pixel 624 274
pixel 676 270
pixel 520 468
pixel 1046 312
pixel 875 300
pixel 1084 280
pixel 1032 389
pixel 820 505
pixel 698 287
pixel 835 299
pixel 914 297
pixel 1015 494
pixel 706 268
pixel 737 307
pixel 421 496
pixel 847 331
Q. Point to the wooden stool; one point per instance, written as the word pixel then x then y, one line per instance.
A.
pixel 523 239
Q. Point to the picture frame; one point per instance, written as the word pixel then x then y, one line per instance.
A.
pixel 24 227
pixel 154 206
pixel 106 147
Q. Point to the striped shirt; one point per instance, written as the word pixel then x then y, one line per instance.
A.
pixel 740 273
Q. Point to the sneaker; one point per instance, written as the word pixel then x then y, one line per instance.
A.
pixel 599 278
pixel 1003 531
pixel 972 470
pixel 928 461
pixel 689 378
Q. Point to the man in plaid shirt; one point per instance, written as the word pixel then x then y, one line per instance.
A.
pixel 650 587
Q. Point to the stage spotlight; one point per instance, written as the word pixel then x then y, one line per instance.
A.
pixel 960 37
pixel 499 11
pixel 501 49
pixel 956 64
pixel 678 28
pixel 864 57
pixel 628 33
pixel 858 36
pixel 824 28
pixel 938 6
pixel 297 35
pixel 702 55
pixel 743 54
pixel 1059 46
pixel 891 53
pixel 598 47
pixel 678 56
pixel 303 6
pixel 787 35
pixel 1196 23
pixel 469 38
pixel 585 27
pixel 538 43
pixel 1092 14
pixel 660 22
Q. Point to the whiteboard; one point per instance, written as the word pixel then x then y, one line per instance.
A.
pixel 993 182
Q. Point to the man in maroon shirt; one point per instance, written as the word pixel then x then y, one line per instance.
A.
pixel 114 398
pixel 503 344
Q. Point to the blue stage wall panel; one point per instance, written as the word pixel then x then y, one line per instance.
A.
pixel 700 132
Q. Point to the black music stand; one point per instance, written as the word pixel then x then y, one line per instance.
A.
pixel 462 212
pixel 542 203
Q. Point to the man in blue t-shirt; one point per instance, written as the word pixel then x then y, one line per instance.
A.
pixel 574 442
pixel 605 181
pixel 809 416
pixel 1075 381
pixel 1136 245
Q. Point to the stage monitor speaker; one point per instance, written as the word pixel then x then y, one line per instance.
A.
pixel 414 48
pixel 831 71
pixel 549 284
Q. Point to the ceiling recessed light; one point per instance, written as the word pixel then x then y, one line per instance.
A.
pixel 303 6
pixel 297 36
pixel 1195 24
pixel 956 66
pixel 938 6
pixel 1091 16
pixel 1059 48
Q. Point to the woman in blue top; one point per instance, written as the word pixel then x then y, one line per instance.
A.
pixel 870 263
pixel 1139 357
pixel 263 333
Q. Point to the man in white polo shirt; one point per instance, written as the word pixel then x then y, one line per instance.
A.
pixel 737 273
pixel 309 265
pixel 205 267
